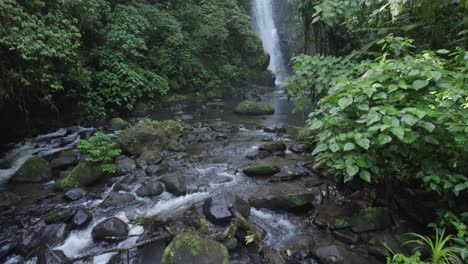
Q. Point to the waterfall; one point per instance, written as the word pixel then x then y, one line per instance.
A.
pixel 265 26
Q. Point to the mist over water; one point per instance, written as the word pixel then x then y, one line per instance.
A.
pixel 265 26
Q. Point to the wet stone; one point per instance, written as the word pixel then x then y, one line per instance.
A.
pixel 175 183
pixel 81 218
pixel 118 199
pixel 346 236
pixel 57 215
pixel 75 194
pixel 6 247
pixel 110 230
pixel 149 189
pixel 262 170
pixel 125 165
pixel 300 247
pixel 277 128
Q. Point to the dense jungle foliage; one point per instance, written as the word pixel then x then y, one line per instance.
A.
pixel 109 54
pixel 390 98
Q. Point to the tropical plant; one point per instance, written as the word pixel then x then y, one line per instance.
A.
pixel 101 150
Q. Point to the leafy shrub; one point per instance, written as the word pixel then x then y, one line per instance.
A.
pixel 101 150
pixel 398 120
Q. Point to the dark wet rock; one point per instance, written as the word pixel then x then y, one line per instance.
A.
pixel 374 243
pixel 6 247
pixel 55 234
pixel 262 170
pixel 289 174
pixel 120 187
pixel 148 189
pixel 299 148
pixel 85 173
pixel 277 128
pixel 275 146
pixel 175 183
pixel 125 165
pixel 421 211
pixel 231 243
pixel 330 214
pixel 81 218
pixel 279 154
pixel 153 170
pixel 58 215
pixel 64 159
pixel 191 248
pixel 9 199
pixel 254 108
pixel 119 123
pixel 149 158
pixel 282 196
pixel 53 257
pixel 300 247
pixel 336 254
pixel 346 236
pixel 371 219
pixel 110 230
pixel 221 210
pixel 75 194
pixel 35 169
pixel 215 104
pixel 142 108
pixel 38 238
pixel 176 147
pixel 116 199
pixel 222 126
pixel 151 252
pixel 258 155
pixel 221 136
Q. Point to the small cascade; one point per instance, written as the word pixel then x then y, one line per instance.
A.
pixel 265 26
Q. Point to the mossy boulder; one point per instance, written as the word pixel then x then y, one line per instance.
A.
pixel 119 123
pixel 215 104
pixel 262 170
pixel 191 248
pixel 85 173
pixel 9 199
pixel 149 158
pixel 149 135
pixel 222 126
pixel 35 169
pixel 214 94
pixel 273 146
pixel 254 108
pixel 283 197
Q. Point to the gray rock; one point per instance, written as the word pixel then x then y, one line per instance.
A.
pixel 110 230
pixel 282 196
pixel 64 159
pixel 53 257
pixel 300 247
pixel 258 155
pixel 275 146
pixel 6 247
pixel 299 148
pixel 150 189
pixel 75 194
pixel 276 128
pixel 337 254
pixel 58 215
pixel 125 165
pixel 175 183
pixel 262 170
pixel 81 218
pixel 118 199
pixel 371 219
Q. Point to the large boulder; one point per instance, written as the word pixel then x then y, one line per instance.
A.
pixel 35 169
pixel 86 173
pixel 149 158
pixel 221 210
pixel 274 146
pixel 119 123
pixel 110 230
pixel 282 196
pixel 148 189
pixel 191 248
pixel 75 194
pixel 81 218
pixel 125 165
pixel 262 170
pixel 254 108
pixel 118 199
pixel 175 183
pixel 64 159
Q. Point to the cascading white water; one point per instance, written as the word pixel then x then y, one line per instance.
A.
pixel 265 26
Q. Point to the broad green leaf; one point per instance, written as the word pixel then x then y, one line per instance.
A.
pixel 345 102
pixel 399 132
pixel 419 84
pixel 410 137
pixel 364 143
pixel 384 139
pixel 361 163
pixel 427 126
pixel 348 147
pixel 352 170
pixel 459 187
pixel 442 51
pixel 334 147
pixel 432 140
pixel 409 120
pixel 436 75
pixel 365 175
pixel 316 124
pixel 319 148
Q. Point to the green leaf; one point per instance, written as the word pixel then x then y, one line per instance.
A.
pixel 363 143
pixel 345 102
pixel 459 187
pixel 361 163
pixel 319 148
pixel 419 84
pixel 436 75
pixel 409 120
pixel 365 175
pixel 349 146
pixel 352 170
pixel 427 126
pixel 399 132
pixel 384 139
pixel 334 147
pixel 442 51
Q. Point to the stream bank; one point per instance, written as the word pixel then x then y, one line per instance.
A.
pixel 226 168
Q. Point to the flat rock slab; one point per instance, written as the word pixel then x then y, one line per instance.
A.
pixel 283 196
pixel 262 170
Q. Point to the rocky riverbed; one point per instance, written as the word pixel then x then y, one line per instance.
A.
pixel 229 188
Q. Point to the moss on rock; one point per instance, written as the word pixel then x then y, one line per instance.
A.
pixel 191 248
pixel 119 123
pixel 273 146
pixel 9 199
pixel 254 108
pixel 85 173
pixel 35 169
